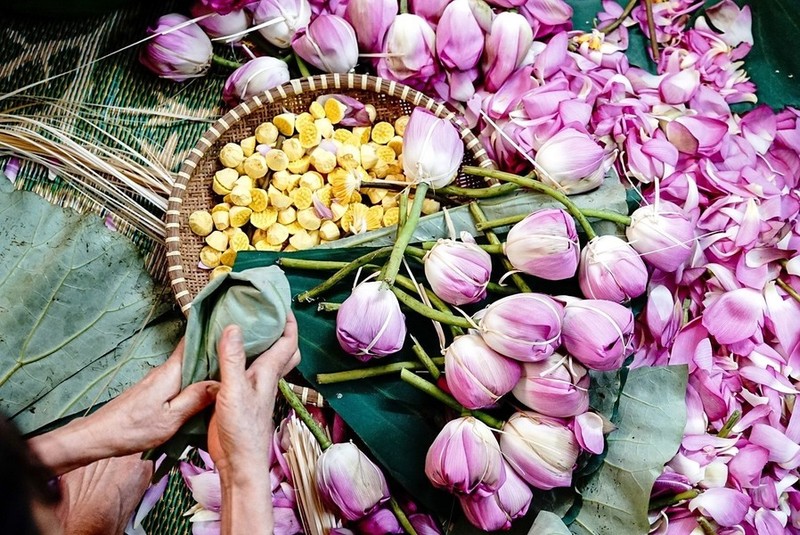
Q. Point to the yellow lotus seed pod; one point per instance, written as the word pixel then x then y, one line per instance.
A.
pixel 244 181
pixel 304 240
pixel 224 181
pixel 312 180
pixel 375 195
pixel 266 133
pixel 293 228
pixel 219 271
pixel 374 217
pixel 289 248
pixel 281 180
pixel 324 127
pixel 385 154
pixel 277 234
pixel 201 223
pixel 430 206
pixel 322 160
pixel 278 199
pixel 368 156
pixel 394 169
pixel 348 157
pixel 390 201
pixel 264 245
pixel 221 219
pixel 355 220
pixel 382 132
pixel 255 166
pixel 285 123
pixel 287 216
pixel 309 136
pixel 265 218
pixel 396 144
pixel 391 216
pixel 372 113
pixel 240 196
pixel 209 256
pixel 221 207
pixel 329 231
pixel 345 183
pixel 293 149
pixel 277 160
pixel 334 110
pixel 342 135
pixel 338 210
pixel 300 166
pixel 325 195
pixel 231 155
pixel 294 181
pixel 228 257
pixel 356 197
pixel 400 125
pixel 259 201
pixel 316 110
pixel 218 240
pixel 308 219
pixel 239 216
pixel 248 145
pixel 239 241
pixel 362 133
pixel 302 197
pixel 303 119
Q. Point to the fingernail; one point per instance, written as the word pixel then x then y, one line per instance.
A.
pixel 213 389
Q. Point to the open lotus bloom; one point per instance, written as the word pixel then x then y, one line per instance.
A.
pixel 662 234
pixel 477 376
pixel 611 269
pixel 258 300
pixel 432 149
pixel 465 458
pixel 554 387
pixel 349 480
pixel 328 43
pixel 289 16
pixel 544 244
pixel 369 323
pixel 254 77
pixel 458 272
pixel 597 332
pixel 524 327
pixel 181 54
pixel 571 161
pixel 497 510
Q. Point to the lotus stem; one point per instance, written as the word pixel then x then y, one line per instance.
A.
pixel 541 187
pixel 733 420
pixel 416 251
pixel 224 62
pixel 491 248
pixel 404 236
pixel 328 307
pixel 372 371
pixel 479 193
pixel 432 390
pixel 435 300
pixel 607 215
pixel 615 24
pixel 651 29
pixel 301 66
pixel 479 216
pixel 666 501
pixel 424 310
pixel 425 359
pixel 401 517
pixel 788 289
pixel 304 415
pixel 403 6
pixel 403 207
pixel 705 526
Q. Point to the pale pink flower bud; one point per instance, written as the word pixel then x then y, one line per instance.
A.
pixel 571 161
pixel 254 77
pixel 465 458
pixel 506 46
pixel 371 20
pixel 432 149
pixel 497 511
pixel 541 450
pixel 458 272
pixel 477 376
pixel 295 15
pixel 424 524
pixel 611 269
pixel 223 7
pixel 459 38
pixel 380 522
pixel 410 49
pixel 525 326
pixel 544 244
pixel 369 323
pixel 597 332
pixel 429 10
pixel 662 234
pixel 554 387
pixel 506 3
pixel 328 43
pixel 221 25
pixel 349 480
pixel 180 54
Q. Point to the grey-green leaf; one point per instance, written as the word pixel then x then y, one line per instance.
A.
pixel 650 422
pixel 548 523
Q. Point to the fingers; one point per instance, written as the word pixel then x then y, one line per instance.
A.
pixel 279 359
pixel 193 399
pixel 230 350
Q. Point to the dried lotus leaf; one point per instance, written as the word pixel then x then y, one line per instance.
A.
pixel 201 223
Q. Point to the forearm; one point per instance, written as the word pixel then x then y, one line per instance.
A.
pixel 69 447
pixel 247 507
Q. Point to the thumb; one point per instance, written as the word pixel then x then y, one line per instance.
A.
pixel 194 398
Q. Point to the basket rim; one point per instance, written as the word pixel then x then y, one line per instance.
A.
pixel 297 86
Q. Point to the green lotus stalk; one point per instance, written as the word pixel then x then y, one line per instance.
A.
pixel 373 371
pixel 788 289
pixel 651 29
pixel 304 415
pixel 224 62
pixel 490 248
pixel 425 359
pixel 479 193
pixel 607 215
pixel 479 216
pixel 328 307
pixel 667 501
pixel 624 15
pixel 301 66
pixel 424 310
pixel 401 517
pixel 404 236
pixel 432 390
pixel 403 215
pixel 435 300
pixel 733 420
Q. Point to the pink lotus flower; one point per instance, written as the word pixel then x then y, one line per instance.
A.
pixel 506 46
pixel 410 51
pixel 554 387
pixel 432 149
pixel 726 506
pixel 611 269
pixel 328 43
pixel 662 234
pixel 459 38
pixel 588 430
pixel 547 17
pixel 650 159
pixel 235 21
pixel 544 244
pixel 254 77
pixel 290 16
pixel 369 323
pixel 524 327
pixel 380 522
pixel 180 50
pixel 597 332
pixel 541 450
pixel 224 7
pixel 430 10
pixel 371 20
pixel 696 134
pixel 477 376
pixel 571 161
pixel 465 458
pixel 497 510
pixel 458 272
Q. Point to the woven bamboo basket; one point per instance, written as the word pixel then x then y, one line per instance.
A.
pixel 192 190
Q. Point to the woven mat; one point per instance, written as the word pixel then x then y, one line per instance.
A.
pixel 123 98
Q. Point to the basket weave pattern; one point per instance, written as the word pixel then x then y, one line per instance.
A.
pixel 192 190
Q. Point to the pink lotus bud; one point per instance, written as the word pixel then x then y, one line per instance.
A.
pixel 355 114
pixel 432 149
pixel 611 269
pixel 662 234
pixel 369 322
pixel 571 161
pixel 477 376
pixel 465 458
pixel 180 54
pixel 525 327
pixel 295 15
pixel 371 20
pixel 349 480
pixel 506 3
pixel 429 10
pixel 506 46
pixel 380 522
pixel 554 387
pixel 544 244
pixel 221 25
pixel 497 511
pixel 458 272
pixel 328 43
pixel 223 7
pixel 254 77
pixel 597 332
pixel 424 524
pixel 541 450
pixel 410 49
pixel 459 38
